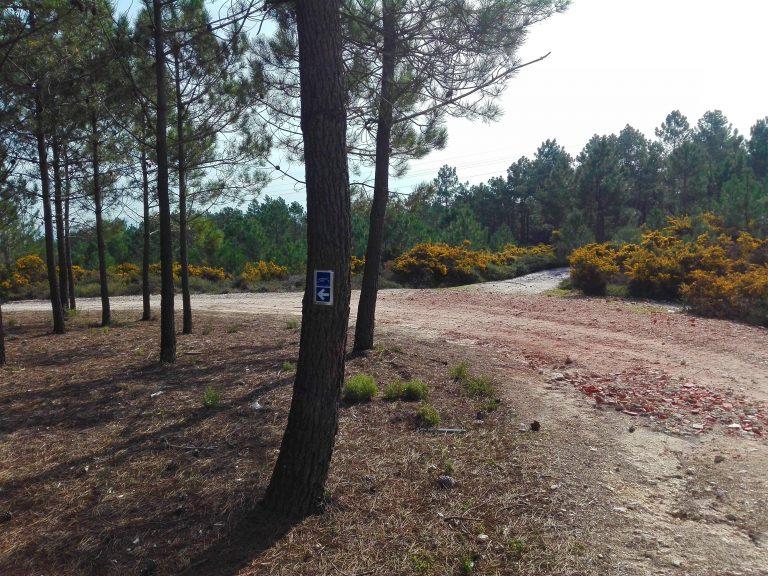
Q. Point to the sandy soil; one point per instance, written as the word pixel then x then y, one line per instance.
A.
pixel 684 459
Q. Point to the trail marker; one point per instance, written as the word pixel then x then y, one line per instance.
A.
pixel 324 287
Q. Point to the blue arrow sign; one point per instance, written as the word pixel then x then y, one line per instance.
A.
pixel 324 287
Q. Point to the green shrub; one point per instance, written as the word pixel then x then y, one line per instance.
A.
pixel 394 390
pixel 480 386
pixel 211 398
pixel 288 367
pixel 427 416
pixel 490 405
pixel 460 371
pixel 412 391
pixel 360 388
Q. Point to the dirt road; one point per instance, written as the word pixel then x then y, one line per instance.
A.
pixel 666 413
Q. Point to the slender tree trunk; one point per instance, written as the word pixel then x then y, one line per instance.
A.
pixel 147 311
pixel 298 480
pixel 183 251
pixel 45 185
pixel 2 336
pixel 366 309
pixel 67 241
pixel 106 316
pixel 60 240
pixel 167 314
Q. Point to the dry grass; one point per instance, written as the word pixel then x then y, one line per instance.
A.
pixel 100 474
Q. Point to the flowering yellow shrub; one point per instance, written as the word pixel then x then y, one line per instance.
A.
pixel 14 283
pixel 592 267
pixel 263 271
pixel 356 265
pixel 435 264
pixel 511 254
pixel 32 268
pixel 127 272
pixel 440 263
pixel 205 272
pixel 78 272
pixel 718 274
pixel 739 295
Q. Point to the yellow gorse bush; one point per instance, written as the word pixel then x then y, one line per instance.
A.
pixel 716 274
pixel 126 271
pixel 435 264
pixel 205 272
pixel 32 268
pixel 592 267
pixel 356 265
pixel 263 271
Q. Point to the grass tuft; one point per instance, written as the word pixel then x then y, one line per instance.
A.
pixel 412 391
pixel 211 398
pixel 427 416
pixel 460 371
pixel 360 388
pixel 479 386
pixel 288 367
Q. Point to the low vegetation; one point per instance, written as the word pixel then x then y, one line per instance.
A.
pixel 444 265
pixel 715 271
pixel 360 388
pixel 427 416
pixel 411 391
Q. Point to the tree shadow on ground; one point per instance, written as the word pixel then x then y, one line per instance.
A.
pixel 123 482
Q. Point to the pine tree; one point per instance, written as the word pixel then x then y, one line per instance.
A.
pixel 298 481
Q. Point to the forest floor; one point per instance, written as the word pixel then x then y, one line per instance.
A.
pixel 652 456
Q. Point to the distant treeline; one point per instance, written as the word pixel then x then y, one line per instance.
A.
pixel 618 185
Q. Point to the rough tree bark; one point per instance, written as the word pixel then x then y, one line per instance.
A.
pixel 2 336
pixel 146 309
pixel 366 308
pixel 167 314
pixel 298 481
pixel 103 282
pixel 45 185
pixel 67 241
pixel 182 166
pixel 59 211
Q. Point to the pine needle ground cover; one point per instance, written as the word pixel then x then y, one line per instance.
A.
pixel 113 464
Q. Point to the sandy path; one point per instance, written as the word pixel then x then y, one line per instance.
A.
pixel 674 508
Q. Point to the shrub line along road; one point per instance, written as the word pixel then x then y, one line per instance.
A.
pixel 690 489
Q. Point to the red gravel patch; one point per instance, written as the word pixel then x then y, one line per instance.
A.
pixel 677 404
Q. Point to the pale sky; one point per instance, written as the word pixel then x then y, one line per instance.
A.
pixel 613 62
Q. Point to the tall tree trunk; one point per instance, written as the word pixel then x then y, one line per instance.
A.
pixel 298 481
pixel 147 311
pixel 2 336
pixel 59 209
pixel 167 313
pixel 366 308
pixel 67 240
pixel 45 185
pixel 103 282
pixel 183 251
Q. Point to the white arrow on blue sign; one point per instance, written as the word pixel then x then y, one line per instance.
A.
pixel 324 287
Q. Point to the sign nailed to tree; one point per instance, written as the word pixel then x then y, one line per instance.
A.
pixel 324 287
